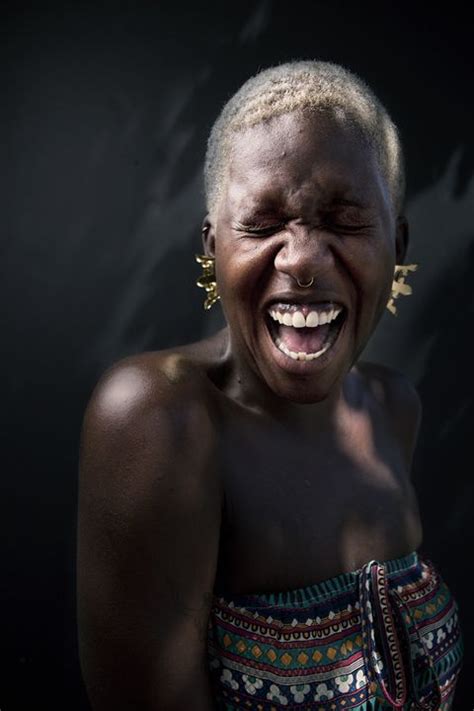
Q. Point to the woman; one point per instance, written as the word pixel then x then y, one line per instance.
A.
pixel 248 530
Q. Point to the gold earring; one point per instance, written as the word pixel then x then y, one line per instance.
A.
pixel 399 286
pixel 207 280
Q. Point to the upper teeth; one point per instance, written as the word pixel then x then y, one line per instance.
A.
pixel 298 320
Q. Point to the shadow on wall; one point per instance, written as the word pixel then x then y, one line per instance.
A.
pixel 431 342
pixel 446 490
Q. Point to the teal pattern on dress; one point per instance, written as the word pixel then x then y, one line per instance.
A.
pixel 386 636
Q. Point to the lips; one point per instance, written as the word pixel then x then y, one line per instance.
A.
pixel 320 300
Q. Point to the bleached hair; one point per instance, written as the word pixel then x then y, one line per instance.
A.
pixel 307 86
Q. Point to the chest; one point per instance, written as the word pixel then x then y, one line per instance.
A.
pixel 302 509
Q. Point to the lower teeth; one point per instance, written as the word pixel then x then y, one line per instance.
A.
pixel 301 355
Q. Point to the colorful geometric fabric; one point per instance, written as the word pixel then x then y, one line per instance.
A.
pixel 386 636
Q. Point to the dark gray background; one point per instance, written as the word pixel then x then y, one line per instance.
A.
pixel 105 111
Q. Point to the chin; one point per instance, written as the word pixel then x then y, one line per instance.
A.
pixel 306 398
pixel 302 393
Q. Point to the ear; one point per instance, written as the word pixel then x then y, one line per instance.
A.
pixel 401 239
pixel 208 237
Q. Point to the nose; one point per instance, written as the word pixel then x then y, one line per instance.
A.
pixel 304 253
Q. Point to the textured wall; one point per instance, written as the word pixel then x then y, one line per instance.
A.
pixel 104 116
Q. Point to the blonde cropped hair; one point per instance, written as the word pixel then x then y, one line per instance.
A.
pixel 313 86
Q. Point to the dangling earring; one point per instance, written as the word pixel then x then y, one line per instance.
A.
pixel 399 286
pixel 207 280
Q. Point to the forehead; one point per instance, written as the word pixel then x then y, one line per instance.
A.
pixel 295 158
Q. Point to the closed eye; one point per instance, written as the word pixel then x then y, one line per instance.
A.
pixel 259 230
pixel 347 228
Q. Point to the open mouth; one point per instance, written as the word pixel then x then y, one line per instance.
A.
pixel 304 338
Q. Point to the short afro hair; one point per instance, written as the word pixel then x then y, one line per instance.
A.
pixel 307 86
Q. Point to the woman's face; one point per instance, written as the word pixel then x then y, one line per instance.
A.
pixel 304 198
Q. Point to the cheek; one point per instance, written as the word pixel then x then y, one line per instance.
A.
pixel 378 276
pixel 239 270
pixel 377 273
pixel 371 265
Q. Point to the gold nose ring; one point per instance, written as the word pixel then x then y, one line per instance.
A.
pixel 305 286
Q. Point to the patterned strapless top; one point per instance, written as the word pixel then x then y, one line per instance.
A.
pixel 386 636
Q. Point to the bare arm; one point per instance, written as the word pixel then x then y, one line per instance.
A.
pixel 148 528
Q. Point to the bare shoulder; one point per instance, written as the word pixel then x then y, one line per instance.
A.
pixel 390 386
pixel 150 382
pixel 154 372
pixel 399 399
pixel 150 406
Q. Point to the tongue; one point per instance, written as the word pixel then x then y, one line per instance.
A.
pixel 307 340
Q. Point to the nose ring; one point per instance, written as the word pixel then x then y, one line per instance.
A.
pixel 304 286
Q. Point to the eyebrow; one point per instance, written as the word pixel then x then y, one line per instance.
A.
pixel 275 212
pixel 344 202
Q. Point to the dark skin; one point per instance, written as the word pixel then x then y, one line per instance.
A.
pixel 221 465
